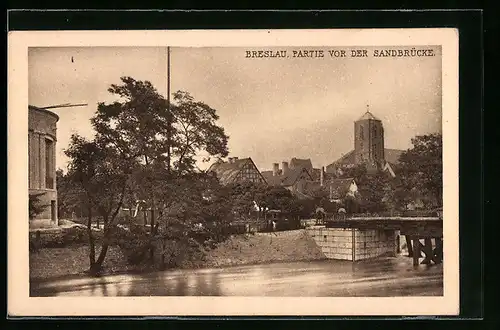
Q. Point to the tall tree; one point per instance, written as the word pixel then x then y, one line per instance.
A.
pixel 421 168
pixel 142 126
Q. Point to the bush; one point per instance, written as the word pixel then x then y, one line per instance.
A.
pixel 134 243
pixel 60 237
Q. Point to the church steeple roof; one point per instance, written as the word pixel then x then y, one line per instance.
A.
pixel 368 116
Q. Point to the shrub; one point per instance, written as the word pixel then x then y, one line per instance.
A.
pixel 60 237
pixel 134 243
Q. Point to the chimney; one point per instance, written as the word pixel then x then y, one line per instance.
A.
pixel 322 176
pixel 276 168
pixel 284 167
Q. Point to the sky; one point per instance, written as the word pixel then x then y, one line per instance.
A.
pixel 273 109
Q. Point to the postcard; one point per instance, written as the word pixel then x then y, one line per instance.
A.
pixel 233 172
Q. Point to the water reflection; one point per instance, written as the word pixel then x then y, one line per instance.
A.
pixel 381 277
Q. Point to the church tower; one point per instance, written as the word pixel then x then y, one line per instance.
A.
pixel 368 139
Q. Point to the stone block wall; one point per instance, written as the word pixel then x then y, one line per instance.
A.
pixel 353 244
pixel 335 243
pixel 373 243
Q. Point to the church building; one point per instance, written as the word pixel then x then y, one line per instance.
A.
pixel 369 148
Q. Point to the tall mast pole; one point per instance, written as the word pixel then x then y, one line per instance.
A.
pixel 169 115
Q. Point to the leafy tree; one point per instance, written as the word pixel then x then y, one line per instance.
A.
pixel 244 196
pixel 196 131
pixel 143 125
pixel 421 168
pixel 196 211
pixel 102 173
pixel 69 196
pixel 375 190
pixel 282 199
pixel 164 138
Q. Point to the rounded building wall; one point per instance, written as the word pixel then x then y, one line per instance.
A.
pixel 42 138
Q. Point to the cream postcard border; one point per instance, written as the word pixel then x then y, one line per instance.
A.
pixel 20 304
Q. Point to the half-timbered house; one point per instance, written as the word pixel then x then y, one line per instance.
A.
pixel 237 170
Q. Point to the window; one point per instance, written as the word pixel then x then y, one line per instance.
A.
pixel 361 132
pixel 49 164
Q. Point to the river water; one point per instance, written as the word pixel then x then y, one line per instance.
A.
pixel 329 278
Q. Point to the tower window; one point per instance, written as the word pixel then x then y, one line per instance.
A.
pixel 361 132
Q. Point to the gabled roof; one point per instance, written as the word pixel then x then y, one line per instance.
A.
pixel 270 178
pixel 311 186
pixel 368 116
pixel 346 159
pixel 390 155
pixel 301 163
pixel 339 187
pixel 303 196
pixel 286 180
pixel 227 172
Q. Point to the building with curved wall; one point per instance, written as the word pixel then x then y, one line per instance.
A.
pixel 42 138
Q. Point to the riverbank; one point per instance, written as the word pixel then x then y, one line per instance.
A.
pixel 245 249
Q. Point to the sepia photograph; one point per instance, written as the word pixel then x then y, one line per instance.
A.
pixel 225 170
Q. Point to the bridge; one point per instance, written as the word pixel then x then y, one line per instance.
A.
pixel 413 228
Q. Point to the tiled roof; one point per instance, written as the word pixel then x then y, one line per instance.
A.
pixel 226 172
pixel 270 179
pixel 347 159
pixel 311 186
pixel 301 163
pixel 293 175
pixel 285 180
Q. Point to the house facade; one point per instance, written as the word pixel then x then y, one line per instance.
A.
pixel 236 170
pixel 293 179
